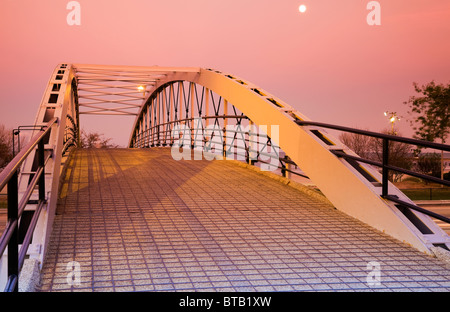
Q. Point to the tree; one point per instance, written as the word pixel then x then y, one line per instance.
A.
pixel 429 164
pixel 95 140
pixel 360 144
pixel 6 144
pixel 400 155
pixel 6 154
pixel 371 148
pixel 431 111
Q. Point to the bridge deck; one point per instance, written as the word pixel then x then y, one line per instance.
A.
pixel 136 220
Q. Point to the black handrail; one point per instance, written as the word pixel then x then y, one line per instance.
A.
pixel 384 165
pixel 390 137
pixel 17 132
pixel 9 178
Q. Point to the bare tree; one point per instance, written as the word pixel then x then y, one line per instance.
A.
pixel 6 153
pixel 372 149
pixel 95 140
pixel 400 155
pixel 360 144
pixel 7 139
pixel 429 163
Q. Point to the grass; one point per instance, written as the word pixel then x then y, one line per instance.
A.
pixel 416 189
pixel 428 193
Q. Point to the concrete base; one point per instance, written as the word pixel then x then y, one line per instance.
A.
pixel 29 276
pixel 441 254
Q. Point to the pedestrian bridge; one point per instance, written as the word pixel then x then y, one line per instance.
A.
pixel 214 192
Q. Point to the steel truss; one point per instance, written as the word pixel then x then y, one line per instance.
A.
pixel 197 108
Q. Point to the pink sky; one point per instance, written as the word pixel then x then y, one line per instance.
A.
pixel 328 62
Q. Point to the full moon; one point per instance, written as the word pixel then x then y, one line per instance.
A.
pixel 302 8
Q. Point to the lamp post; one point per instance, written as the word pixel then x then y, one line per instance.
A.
pixel 392 119
pixel 142 89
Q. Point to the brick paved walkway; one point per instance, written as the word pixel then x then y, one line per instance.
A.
pixel 136 220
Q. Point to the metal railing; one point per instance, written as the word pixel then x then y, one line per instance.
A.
pixel 160 135
pixel 9 177
pixel 384 165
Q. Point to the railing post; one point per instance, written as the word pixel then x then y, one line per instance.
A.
pixel 289 168
pixel 283 170
pixel 13 143
pixel 42 165
pixel 13 244
pixel 385 170
pixel 225 124
pixel 157 135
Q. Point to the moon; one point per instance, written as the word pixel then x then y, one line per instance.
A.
pixel 302 8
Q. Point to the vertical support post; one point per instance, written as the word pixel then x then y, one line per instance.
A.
pixel 144 132
pixel 225 123
pixel 137 136
pixel 164 114
pixel 172 112
pixel 385 170
pixel 180 98
pixel 442 162
pixel 141 133
pixel 192 86
pixel 288 167
pixel 13 245
pixel 206 116
pixel 147 127
pixel 250 143
pixel 42 165
pixel 206 107
pixel 14 143
pixel 158 107
pixel 152 123
pixel 140 129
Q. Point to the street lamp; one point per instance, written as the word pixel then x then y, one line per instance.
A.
pixel 392 119
pixel 142 89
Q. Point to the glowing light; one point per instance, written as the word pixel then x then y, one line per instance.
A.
pixel 141 88
pixel 392 119
pixel 302 8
